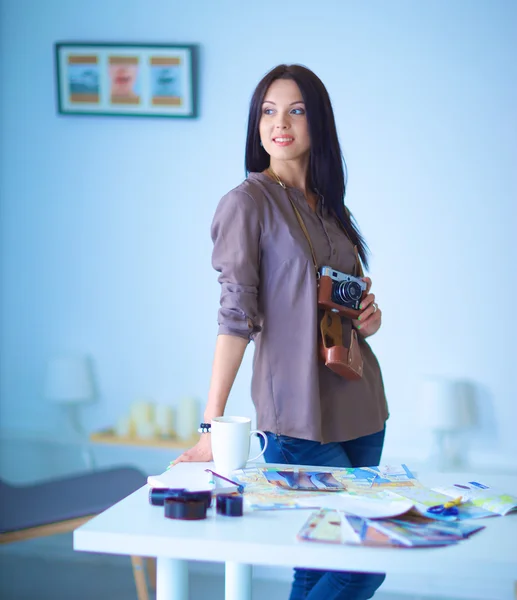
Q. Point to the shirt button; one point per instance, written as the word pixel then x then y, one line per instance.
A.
pixel 334 251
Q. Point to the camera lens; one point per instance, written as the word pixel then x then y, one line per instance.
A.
pixel 348 292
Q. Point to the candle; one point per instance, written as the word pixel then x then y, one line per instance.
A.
pixel 164 420
pixel 124 426
pixel 187 418
pixel 142 417
pixel 142 412
pixel 146 430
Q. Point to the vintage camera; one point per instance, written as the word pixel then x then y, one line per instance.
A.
pixel 340 292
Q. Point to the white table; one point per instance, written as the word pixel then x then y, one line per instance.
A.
pixel 134 527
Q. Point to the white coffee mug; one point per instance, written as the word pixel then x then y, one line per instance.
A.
pixel 230 438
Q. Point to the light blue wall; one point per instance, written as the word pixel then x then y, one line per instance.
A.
pixel 105 243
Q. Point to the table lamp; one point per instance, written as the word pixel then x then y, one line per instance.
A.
pixel 69 381
pixel 448 408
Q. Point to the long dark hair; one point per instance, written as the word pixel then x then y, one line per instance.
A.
pixel 327 168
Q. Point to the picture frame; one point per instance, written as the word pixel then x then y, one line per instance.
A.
pixel 126 80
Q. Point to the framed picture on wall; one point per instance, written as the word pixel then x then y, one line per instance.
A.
pixel 131 80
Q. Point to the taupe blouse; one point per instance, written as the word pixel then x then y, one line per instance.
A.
pixel 268 295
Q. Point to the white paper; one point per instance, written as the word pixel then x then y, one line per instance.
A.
pixel 358 505
pixel 184 475
pixel 193 479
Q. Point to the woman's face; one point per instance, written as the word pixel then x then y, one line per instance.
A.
pixel 122 79
pixel 283 126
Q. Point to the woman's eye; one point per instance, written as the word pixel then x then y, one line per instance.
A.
pixel 293 111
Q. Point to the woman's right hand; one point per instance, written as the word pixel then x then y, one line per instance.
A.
pixel 201 452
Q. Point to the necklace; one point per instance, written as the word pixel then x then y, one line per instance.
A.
pixel 276 178
pixel 282 184
pixel 300 220
pixel 298 217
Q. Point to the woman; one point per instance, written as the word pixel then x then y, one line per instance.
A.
pixel 310 414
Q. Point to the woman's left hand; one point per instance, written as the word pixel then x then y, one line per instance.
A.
pixel 370 318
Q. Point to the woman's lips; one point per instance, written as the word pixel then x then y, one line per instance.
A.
pixel 283 141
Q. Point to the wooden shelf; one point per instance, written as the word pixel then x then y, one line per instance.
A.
pixel 108 436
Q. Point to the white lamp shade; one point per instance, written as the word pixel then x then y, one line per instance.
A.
pixel 69 379
pixel 447 404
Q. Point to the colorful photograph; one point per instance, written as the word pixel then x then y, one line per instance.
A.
pixel 166 80
pixel 124 85
pixel 126 80
pixel 83 79
pixel 304 481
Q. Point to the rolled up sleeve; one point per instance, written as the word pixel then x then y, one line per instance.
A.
pixel 236 231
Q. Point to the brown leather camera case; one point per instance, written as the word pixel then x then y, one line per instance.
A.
pixel 347 362
pixel 325 299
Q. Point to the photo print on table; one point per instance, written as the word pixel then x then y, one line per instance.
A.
pixel 304 480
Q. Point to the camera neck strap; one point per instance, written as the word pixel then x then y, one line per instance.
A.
pixel 298 217
pixel 358 266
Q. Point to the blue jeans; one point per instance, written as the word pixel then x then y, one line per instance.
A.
pixel 311 584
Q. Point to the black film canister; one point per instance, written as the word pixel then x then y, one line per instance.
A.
pixel 184 508
pixel 204 496
pixel 229 505
pixel 220 504
pixel 157 495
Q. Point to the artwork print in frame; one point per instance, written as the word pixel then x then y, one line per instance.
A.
pixel 132 80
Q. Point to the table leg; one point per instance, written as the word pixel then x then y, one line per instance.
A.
pixel 139 575
pixel 171 579
pixel 237 581
pixel 150 564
